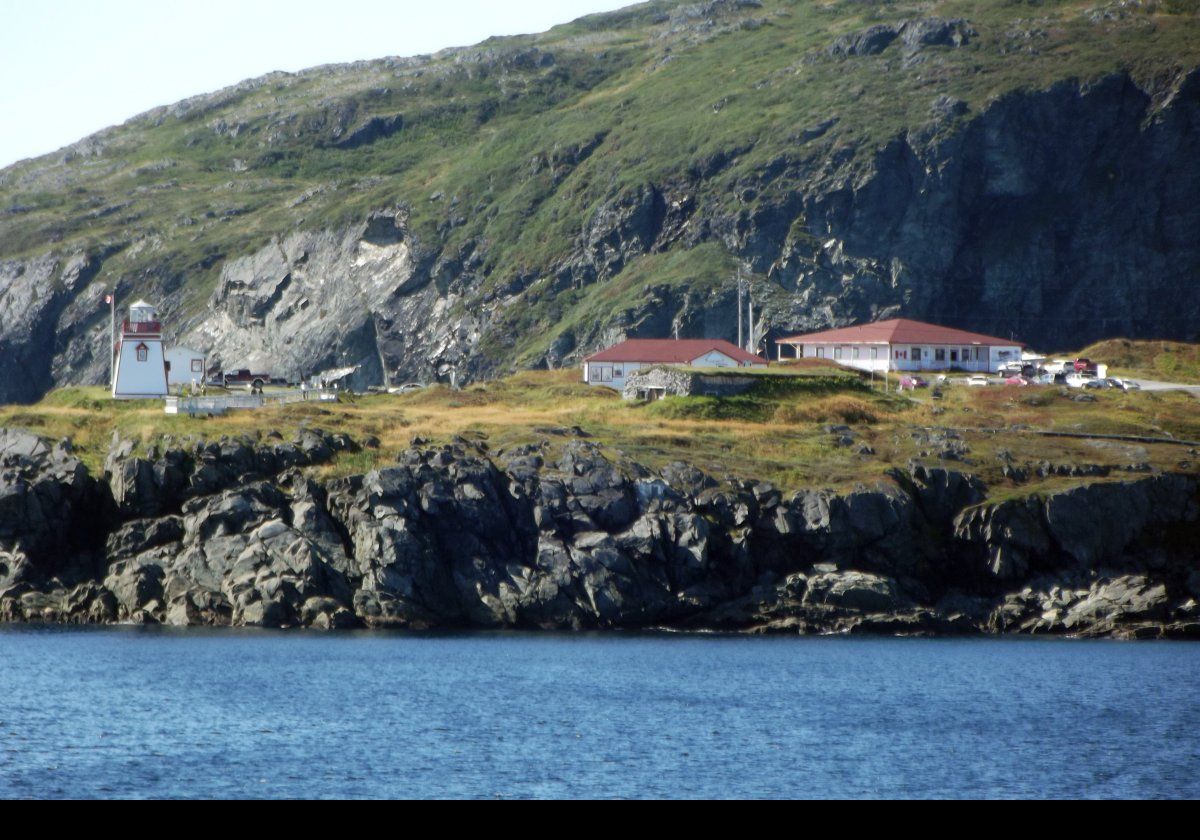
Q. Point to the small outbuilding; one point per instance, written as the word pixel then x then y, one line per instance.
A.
pixel 611 367
pixel 904 344
pixel 185 366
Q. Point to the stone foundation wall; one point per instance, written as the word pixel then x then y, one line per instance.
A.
pixel 681 382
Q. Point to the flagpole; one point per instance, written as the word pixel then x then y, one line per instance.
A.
pixel 112 340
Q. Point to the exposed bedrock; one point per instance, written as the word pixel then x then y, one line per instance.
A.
pixel 1062 216
pixel 234 533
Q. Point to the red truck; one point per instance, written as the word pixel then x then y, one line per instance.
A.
pixel 244 377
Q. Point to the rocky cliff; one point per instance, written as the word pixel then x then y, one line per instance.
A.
pixel 1026 171
pixel 232 532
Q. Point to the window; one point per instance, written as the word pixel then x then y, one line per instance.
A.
pixel 837 352
pixel 820 352
pixel 874 352
pixel 939 354
pixel 143 352
pixel 954 355
pixel 855 353
pixel 916 354
pixel 966 354
pixel 617 373
pixel 197 366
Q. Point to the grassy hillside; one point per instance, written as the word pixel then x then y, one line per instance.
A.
pixel 779 431
pixel 1168 361
pixel 515 142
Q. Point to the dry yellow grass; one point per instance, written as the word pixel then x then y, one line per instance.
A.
pixel 774 433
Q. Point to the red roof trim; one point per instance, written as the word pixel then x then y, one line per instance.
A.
pixel 672 351
pixel 899 331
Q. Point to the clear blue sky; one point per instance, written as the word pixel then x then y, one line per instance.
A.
pixel 72 67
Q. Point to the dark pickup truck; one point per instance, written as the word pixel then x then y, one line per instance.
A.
pixel 244 377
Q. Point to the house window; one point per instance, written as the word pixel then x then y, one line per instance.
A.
pixel 143 352
pixel 966 354
pixel 617 374
pixel 837 352
pixel 874 352
pixel 939 355
pixel 916 354
pixel 197 366
pixel 855 353
pixel 953 355
pixel 820 352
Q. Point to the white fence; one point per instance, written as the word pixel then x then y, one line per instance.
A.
pixel 231 402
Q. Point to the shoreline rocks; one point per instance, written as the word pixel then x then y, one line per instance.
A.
pixel 233 533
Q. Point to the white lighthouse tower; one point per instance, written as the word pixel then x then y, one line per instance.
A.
pixel 141 370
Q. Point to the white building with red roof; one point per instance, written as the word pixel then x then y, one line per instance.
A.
pixel 141 370
pixel 904 344
pixel 610 367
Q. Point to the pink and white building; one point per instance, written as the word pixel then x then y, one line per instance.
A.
pixel 611 366
pixel 904 344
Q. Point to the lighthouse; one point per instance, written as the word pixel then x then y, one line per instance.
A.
pixel 141 370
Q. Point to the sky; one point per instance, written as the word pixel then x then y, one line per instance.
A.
pixel 69 68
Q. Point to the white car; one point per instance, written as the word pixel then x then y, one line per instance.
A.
pixel 1079 380
pixel 978 381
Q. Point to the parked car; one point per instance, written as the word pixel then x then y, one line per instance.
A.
pixel 1097 384
pixel 978 380
pixel 1083 365
pixel 1016 380
pixel 1124 384
pixel 912 383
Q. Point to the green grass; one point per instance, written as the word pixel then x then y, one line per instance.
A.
pixel 775 432
pixel 504 138
pixel 1168 361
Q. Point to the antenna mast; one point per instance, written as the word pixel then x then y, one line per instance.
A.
pixel 739 305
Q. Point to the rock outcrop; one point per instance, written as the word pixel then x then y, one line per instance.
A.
pixel 1053 201
pixel 233 532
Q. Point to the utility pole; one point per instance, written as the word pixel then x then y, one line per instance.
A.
pixel 111 300
pixel 739 306
pixel 751 344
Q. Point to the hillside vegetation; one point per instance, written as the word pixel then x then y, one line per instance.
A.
pixel 1169 361
pixel 822 427
pixel 547 193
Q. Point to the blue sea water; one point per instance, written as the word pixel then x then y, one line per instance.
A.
pixel 158 713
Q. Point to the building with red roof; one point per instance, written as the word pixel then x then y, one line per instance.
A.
pixel 904 344
pixel 611 366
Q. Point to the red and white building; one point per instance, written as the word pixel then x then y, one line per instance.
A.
pixel 904 344
pixel 141 370
pixel 610 367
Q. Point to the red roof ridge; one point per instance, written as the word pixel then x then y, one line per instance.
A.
pixel 671 350
pixel 900 331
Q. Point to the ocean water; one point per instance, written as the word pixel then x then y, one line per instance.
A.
pixel 159 713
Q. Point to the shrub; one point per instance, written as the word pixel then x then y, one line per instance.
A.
pixel 841 408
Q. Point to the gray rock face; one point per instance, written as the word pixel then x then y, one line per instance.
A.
pixel 230 532
pixel 50 508
pixel 949 218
